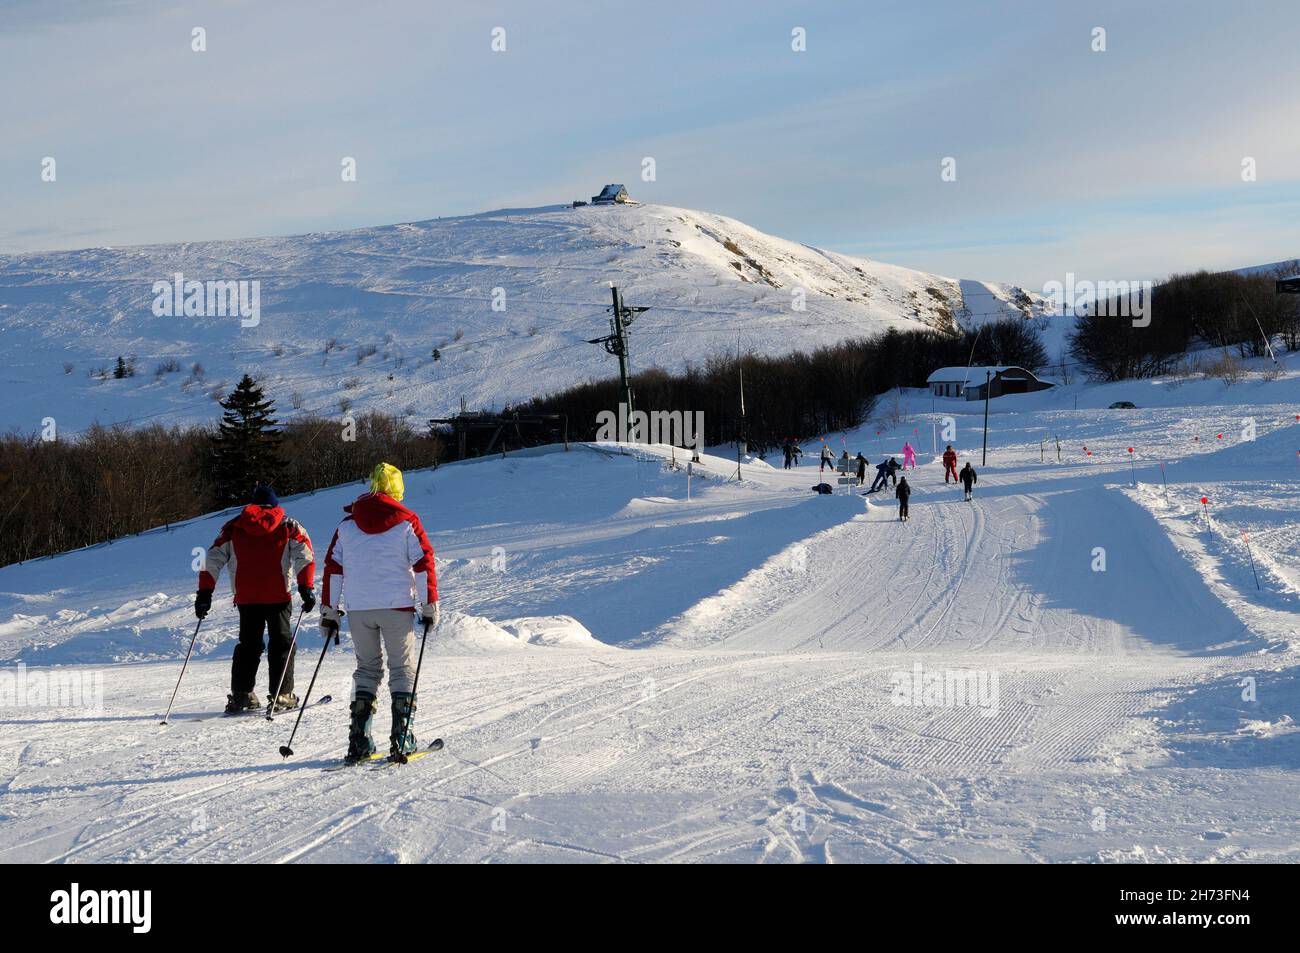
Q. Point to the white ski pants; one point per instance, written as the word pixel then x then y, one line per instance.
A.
pixel 375 631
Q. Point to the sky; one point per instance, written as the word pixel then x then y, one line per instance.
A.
pixel 1122 163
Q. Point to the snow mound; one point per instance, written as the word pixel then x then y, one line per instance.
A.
pixel 1267 729
pixel 464 634
pixel 562 631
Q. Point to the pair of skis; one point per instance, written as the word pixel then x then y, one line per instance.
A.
pixel 382 759
pixel 323 700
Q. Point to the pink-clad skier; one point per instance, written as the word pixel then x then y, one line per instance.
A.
pixel 909 456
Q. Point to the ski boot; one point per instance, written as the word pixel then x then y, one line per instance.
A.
pixel 286 701
pixel 237 702
pixel 401 737
pixel 360 745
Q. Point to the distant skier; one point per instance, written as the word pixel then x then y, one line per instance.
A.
pixel 950 464
pixel 903 491
pixel 265 551
pixel 377 553
pixel 909 456
pixel 893 470
pixel 968 479
pixel 788 450
pixel 798 452
pixel 862 469
pixel 828 459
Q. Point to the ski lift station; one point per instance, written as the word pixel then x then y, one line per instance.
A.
pixel 969 382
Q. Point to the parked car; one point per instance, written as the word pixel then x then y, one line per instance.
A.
pixel 1123 405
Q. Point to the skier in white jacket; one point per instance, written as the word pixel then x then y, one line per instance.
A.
pixel 374 567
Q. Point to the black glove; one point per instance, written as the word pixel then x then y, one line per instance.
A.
pixel 308 598
pixel 202 602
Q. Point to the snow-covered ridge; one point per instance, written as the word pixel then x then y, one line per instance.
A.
pixel 509 298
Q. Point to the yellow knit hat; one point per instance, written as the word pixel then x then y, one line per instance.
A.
pixel 387 479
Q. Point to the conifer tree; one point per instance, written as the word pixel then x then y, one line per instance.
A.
pixel 246 446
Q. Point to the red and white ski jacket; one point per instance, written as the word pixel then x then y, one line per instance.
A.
pixel 264 551
pixel 376 557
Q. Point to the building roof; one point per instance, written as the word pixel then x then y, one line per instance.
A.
pixel 970 374
pixel 612 189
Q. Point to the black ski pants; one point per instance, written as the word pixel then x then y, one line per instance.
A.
pixel 273 618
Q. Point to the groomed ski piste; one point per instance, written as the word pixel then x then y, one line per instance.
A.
pixel 623 675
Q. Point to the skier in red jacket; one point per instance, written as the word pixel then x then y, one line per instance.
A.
pixel 950 464
pixel 264 551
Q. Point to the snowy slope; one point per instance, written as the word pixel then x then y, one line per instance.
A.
pixel 399 291
pixel 625 675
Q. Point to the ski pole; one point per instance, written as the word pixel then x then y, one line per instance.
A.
pixel 400 756
pixel 1252 559
pixel 184 665
pixel 270 707
pixel 285 750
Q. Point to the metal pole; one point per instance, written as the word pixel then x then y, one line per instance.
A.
pixel 270 707
pixel 988 387
pixel 400 756
pixel 620 334
pixel 1252 559
pixel 184 665
pixel 286 749
pixel 741 435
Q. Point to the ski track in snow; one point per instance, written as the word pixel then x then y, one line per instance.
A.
pixel 749 716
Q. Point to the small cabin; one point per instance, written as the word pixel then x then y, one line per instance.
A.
pixel 969 382
pixel 610 195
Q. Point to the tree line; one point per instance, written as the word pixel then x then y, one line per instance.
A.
pixel 1222 310
pixel 113 481
pixel 801 394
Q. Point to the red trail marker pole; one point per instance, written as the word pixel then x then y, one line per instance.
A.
pixel 1205 505
pixel 1133 465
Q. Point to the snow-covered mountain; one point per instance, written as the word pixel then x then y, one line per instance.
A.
pixel 509 298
